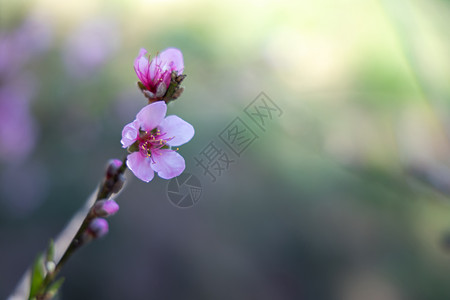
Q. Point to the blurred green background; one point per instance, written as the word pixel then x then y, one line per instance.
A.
pixel 344 196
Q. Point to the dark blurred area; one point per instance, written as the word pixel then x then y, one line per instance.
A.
pixel 343 193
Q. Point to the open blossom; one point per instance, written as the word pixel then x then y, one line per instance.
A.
pixel 155 75
pixel 154 134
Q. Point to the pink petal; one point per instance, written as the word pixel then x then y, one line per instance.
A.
pixel 152 69
pixel 151 115
pixel 166 77
pixel 130 133
pixel 161 89
pixel 181 131
pixel 141 62
pixel 173 55
pixel 168 163
pixel 140 166
pixel 141 65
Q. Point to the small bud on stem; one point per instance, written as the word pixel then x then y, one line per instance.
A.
pixel 104 208
pixel 113 167
pixel 97 228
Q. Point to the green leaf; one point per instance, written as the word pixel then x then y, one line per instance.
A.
pixel 174 90
pixel 141 86
pixel 37 275
pixel 134 147
pixel 54 288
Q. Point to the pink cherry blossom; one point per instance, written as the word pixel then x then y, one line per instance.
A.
pixel 154 134
pixel 155 75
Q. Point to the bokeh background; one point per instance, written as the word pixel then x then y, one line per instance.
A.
pixel 344 196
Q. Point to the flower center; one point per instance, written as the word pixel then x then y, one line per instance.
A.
pixel 161 70
pixel 151 142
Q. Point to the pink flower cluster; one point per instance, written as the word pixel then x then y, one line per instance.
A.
pixel 151 136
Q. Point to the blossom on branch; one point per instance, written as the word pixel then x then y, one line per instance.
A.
pixel 160 77
pixel 150 138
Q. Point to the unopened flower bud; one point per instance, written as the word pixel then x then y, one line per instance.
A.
pixel 50 266
pixel 105 208
pixel 112 168
pixel 98 228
